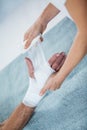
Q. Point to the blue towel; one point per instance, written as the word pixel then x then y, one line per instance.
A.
pixel 67 109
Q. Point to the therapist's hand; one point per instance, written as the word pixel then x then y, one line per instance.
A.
pixel 55 62
pixel 33 32
pixel 52 83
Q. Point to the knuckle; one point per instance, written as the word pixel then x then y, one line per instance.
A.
pixel 54 66
pixel 51 88
pixel 58 61
pixel 57 55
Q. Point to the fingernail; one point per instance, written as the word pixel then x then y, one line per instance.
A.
pixel 62 53
pixel 57 55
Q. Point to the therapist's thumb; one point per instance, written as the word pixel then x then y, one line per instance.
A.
pixel 43 90
pixel 29 40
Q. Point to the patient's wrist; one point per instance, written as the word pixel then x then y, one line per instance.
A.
pixel 27 108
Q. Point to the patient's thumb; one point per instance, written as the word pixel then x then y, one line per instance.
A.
pixel 30 67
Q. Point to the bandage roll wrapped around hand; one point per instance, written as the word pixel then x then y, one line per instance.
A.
pixel 42 71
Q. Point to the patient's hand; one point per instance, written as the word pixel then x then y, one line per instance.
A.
pixel 56 62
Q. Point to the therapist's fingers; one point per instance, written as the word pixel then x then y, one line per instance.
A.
pixel 30 39
pixel 30 67
pixel 28 42
pixel 26 36
pixel 58 61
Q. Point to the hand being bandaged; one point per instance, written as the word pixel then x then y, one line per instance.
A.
pixel 42 70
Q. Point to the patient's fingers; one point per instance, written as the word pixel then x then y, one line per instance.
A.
pixel 30 67
pixel 58 61
pixel 53 59
pixel 61 64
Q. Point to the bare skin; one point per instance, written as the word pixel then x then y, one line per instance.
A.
pixel 40 24
pixel 18 118
pixel 22 113
pixel 77 10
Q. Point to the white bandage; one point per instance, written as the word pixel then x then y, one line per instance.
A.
pixel 42 71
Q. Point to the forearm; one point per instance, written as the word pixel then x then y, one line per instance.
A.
pixel 19 118
pixel 48 14
pixel 76 53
